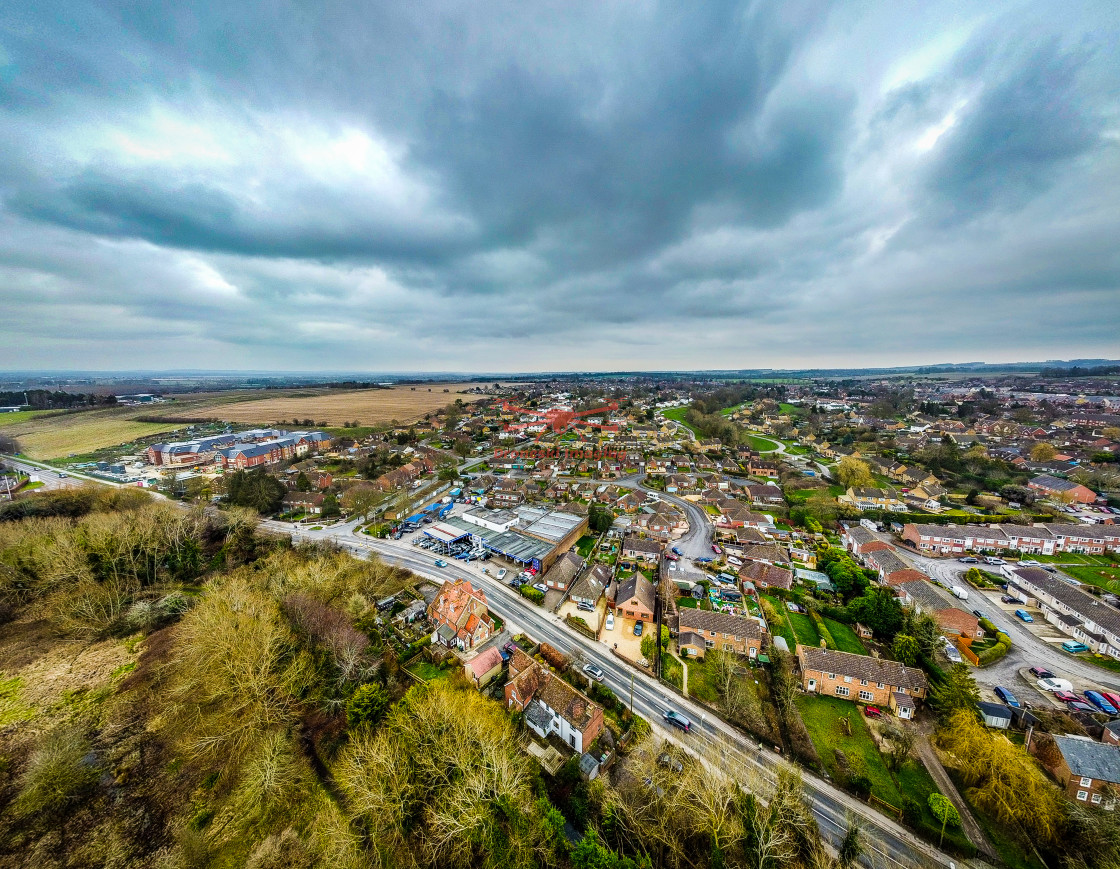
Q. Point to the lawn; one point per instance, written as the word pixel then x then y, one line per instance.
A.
pixel 677 413
pixel 791 409
pixel 1095 575
pixel 846 639
pixel 804 628
pixel 823 717
pixel 23 416
pixel 1072 558
pixel 687 602
pixel 426 671
pixel 672 671
pixel 782 629
pixel 584 545
pixel 763 445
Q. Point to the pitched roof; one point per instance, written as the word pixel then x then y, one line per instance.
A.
pixel 637 586
pixel 768 574
pixel 641 544
pixel 590 586
pixel 1088 758
pixel 565 568
pixel 689 619
pixel 860 666
pixel 484 662
pixel 566 700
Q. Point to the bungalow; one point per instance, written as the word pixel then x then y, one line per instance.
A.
pixel 590 587
pixel 767 494
pixel 561 574
pixel 766 575
pixel 550 705
pixel 641 549
pixel 715 630
pixel 875 680
pixel 306 501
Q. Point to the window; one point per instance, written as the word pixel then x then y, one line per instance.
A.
pixel 831 675
pixel 879 685
pixel 1096 799
pixel 866 695
pixel 713 633
pixel 841 691
pixel 727 647
pixel 863 682
pixel 847 678
pixel 1082 795
pixel 1086 781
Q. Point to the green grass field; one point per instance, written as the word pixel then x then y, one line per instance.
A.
pixel 677 413
pixel 845 637
pixel 763 445
pixel 426 671
pixel 1104 577
pixel 19 416
pixel 584 545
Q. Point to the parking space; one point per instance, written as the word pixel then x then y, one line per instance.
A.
pixel 623 640
pixel 593 618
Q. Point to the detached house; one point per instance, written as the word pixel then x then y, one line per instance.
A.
pixel 563 571
pixel 862 679
pixel 550 705
pixel 461 617
pixel 641 549
pixel 765 575
pixel 700 630
pixel 869 498
pixel 634 598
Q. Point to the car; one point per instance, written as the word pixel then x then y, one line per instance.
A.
pixel 638 627
pixel 872 711
pixel 1112 698
pixel 1024 616
pixel 1049 569
pixel 1098 700
pixel 502 573
pixel 1080 706
pixel 1055 685
pixel 704 560
pixel 676 550
pixel 541 587
pixel 980 615
pixel 968 559
pixel 716 549
pixel 610 621
pixel 1006 696
pixel 594 672
pixel 1006 598
pixel 676 719
pixel 991 559
pixel 1040 673
pixel 1074 647
pixel 62 475
pixel 1030 562
pixel 1066 697
pixel 441 563
pixel 671 557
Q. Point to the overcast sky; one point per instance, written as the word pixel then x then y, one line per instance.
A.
pixel 531 186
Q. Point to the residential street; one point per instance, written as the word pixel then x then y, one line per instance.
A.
pixel 888 843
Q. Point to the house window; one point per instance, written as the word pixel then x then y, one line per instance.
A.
pixel 831 675
pixel 1082 795
pixel 879 685
pixel 866 695
pixel 863 681
pixel 841 691
pixel 727 647
pixel 713 633
pixel 1096 799
pixel 847 678
pixel 1086 782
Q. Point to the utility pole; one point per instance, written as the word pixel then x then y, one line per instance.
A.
pixel 631 692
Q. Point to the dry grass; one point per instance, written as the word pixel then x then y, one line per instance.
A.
pixel 58 436
pixel 366 406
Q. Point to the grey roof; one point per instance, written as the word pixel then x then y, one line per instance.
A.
pixel 994 710
pixel 1083 604
pixel 1088 758
pixel 888 560
pixel 588 764
pixel 724 623
pixel 641 544
pixel 860 534
pixel 590 586
pixel 928 596
pixel 537 715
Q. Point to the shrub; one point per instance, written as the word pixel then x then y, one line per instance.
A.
pixel 366 706
pixel 532 594
pixel 988 626
pixel 822 629
pixel 911 811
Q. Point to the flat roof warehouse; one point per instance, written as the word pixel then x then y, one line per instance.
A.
pixel 542 537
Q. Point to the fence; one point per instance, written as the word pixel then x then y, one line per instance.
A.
pixel 964 644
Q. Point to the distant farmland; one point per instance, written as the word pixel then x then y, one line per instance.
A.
pixel 57 436
pixel 330 406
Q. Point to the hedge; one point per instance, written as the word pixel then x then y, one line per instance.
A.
pixel 533 594
pixel 994 653
pixel 822 629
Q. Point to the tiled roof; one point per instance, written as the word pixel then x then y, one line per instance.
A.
pixel 860 666
pixel 637 586
pixel 1084 757
pixel 769 574
pixel 724 623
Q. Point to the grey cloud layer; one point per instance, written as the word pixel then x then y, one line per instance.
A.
pixel 582 186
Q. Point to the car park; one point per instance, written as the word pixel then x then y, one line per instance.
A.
pixel 638 627
pixel 676 719
pixel 1098 700
pixel 594 672
pixel 1006 696
pixel 1024 616
pixel 1040 673
pixel 1074 647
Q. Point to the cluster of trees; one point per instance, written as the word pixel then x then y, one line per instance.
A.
pixel 45 399
pixel 852 472
pixel 849 579
pixel 255 490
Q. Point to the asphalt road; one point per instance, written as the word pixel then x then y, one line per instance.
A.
pixel 888 844
pixel 1027 649
pixel 51 478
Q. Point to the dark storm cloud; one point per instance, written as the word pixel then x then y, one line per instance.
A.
pixel 641 184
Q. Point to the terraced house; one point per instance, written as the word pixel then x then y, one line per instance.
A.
pixel 699 630
pixel 862 679
pixel 1071 610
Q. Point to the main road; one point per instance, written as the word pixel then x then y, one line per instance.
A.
pixel 888 844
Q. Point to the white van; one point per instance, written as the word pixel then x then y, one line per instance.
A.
pixel 733 561
pixel 959 592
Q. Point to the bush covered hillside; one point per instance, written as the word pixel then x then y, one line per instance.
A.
pixel 177 690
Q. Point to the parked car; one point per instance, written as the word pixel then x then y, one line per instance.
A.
pixel 1024 616
pixel 1030 563
pixel 677 550
pixel 979 614
pixel 968 559
pixel 1006 598
pixel 1049 569
pixel 502 573
pixel 671 556
pixel 872 711
pixel 1006 696
pixel 1112 698
pixel 1074 647
pixel 1055 685
pixel 1041 673
pixel 1066 696
pixel 1098 700
pixel 716 549
pixel 676 719
pixel 991 559
pixel 638 627
pixel 1080 706
pixel 441 563
pixel 704 560
pixel 541 587
pixel 610 621
pixel 594 672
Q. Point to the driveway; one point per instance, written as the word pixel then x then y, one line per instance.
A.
pixel 593 618
pixel 622 638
